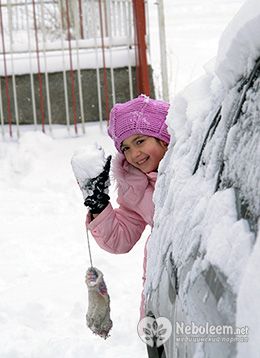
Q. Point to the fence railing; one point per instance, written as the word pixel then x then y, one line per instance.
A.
pixel 60 51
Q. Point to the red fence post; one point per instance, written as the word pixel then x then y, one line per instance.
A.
pixel 81 26
pixel 140 30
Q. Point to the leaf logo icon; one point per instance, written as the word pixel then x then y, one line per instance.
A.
pixel 154 331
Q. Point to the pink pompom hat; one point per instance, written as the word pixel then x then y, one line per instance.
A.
pixel 141 115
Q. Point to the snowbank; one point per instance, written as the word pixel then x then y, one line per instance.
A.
pixel 44 255
pixel 189 214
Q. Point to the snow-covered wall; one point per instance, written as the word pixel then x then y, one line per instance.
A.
pixel 189 213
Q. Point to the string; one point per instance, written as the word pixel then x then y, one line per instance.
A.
pixel 89 250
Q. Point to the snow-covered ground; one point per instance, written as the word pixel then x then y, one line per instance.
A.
pixel 44 256
pixel 43 248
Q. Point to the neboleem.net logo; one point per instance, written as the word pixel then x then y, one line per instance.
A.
pixel 207 332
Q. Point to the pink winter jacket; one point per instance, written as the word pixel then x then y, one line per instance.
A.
pixel 118 230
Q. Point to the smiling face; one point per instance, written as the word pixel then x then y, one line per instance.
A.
pixel 144 152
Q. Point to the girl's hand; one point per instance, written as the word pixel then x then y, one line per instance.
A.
pixel 96 190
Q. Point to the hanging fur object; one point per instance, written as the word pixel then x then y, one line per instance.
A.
pixel 98 315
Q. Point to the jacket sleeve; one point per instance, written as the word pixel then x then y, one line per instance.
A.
pixel 116 230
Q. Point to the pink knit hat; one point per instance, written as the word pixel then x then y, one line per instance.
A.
pixel 141 115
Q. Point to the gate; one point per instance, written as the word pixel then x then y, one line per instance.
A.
pixel 68 61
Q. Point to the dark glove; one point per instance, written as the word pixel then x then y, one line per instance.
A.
pixel 96 190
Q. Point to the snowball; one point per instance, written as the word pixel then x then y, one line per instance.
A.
pixel 88 162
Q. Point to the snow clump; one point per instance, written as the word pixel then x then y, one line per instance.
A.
pixel 88 162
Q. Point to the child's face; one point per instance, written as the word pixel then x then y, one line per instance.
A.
pixel 144 152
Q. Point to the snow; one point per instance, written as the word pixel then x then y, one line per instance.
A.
pixel 248 304
pixel 220 227
pixel 240 144
pixel 188 120
pixel 88 162
pixel 43 247
pixel 55 61
pixel 188 214
pixel 44 255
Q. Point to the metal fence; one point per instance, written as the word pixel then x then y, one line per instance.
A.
pixel 42 37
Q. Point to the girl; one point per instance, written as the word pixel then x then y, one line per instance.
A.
pixel 140 135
